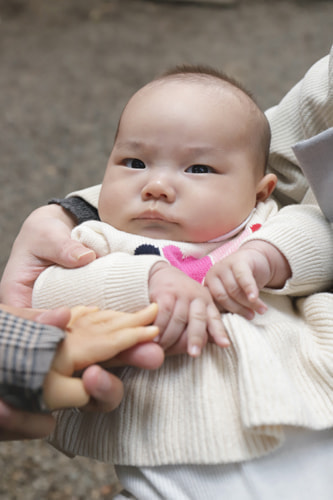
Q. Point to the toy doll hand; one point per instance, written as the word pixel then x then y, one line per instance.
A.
pixel 44 239
pixel 93 336
pixel 185 311
pixel 235 281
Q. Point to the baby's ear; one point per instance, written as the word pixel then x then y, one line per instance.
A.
pixel 266 186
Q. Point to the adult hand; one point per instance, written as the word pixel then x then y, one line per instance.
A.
pixel 44 239
pixel 93 336
pixel 104 388
pixel 16 424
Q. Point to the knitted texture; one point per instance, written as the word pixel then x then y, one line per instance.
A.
pixel 231 404
pixel 179 413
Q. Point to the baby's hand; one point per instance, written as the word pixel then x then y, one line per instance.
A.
pixel 93 336
pixel 187 315
pixel 235 281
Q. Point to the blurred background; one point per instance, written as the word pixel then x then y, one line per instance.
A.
pixel 67 69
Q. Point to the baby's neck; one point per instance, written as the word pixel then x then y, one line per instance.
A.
pixel 233 232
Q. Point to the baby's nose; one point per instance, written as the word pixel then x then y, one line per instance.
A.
pixel 159 189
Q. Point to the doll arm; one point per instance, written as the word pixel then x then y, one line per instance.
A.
pixel 93 336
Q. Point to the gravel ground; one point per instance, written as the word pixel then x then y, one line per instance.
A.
pixel 34 471
pixel 67 68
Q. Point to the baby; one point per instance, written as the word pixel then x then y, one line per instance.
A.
pixel 185 188
pixel 190 429
pixel 186 172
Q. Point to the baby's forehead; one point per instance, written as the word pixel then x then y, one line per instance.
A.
pixel 190 86
pixel 194 93
pixel 204 85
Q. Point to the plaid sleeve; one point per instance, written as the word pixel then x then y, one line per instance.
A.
pixel 26 352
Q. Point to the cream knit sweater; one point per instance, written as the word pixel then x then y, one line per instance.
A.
pixel 228 405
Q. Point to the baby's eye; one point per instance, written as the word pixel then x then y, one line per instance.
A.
pixel 134 163
pixel 199 169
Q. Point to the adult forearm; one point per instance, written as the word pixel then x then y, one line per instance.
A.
pixel 305 111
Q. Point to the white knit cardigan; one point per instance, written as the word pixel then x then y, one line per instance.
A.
pixel 230 404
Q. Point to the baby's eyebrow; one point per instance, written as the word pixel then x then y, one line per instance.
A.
pixel 130 144
pixel 200 150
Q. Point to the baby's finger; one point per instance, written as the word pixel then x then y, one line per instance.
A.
pixel 248 285
pixel 216 328
pixel 257 305
pixel 177 324
pixel 197 327
pixel 224 299
pixel 166 306
pixel 245 280
pixel 179 347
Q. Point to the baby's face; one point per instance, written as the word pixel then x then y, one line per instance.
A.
pixel 182 166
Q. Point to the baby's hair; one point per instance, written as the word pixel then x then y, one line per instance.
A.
pixel 201 72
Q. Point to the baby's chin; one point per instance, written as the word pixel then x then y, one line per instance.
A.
pixel 159 230
pixel 165 230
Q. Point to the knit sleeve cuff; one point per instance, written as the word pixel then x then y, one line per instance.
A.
pixel 305 238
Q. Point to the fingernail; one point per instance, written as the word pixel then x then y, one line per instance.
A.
pixel 194 351
pixel 78 254
pixel 104 384
pixel 225 342
pixel 262 310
